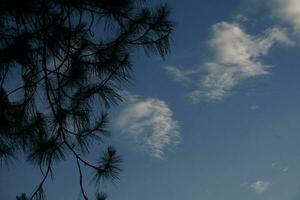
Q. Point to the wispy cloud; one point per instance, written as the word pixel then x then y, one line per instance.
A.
pixel 288 11
pixel 149 123
pixel 280 167
pixel 274 164
pixel 236 56
pixel 179 75
pixel 253 107
pixel 285 169
pixel 260 186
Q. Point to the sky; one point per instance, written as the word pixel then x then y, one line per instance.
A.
pixel 218 119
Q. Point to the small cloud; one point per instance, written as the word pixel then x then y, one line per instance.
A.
pixel 241 18
pixel 254 107
pixel 178 75
pixel 279 167
pixel 149 123
pixel 260 186
pixel 274 164
pixel 285 169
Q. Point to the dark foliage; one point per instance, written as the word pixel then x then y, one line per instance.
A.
pixel 62 63
pixel 22 197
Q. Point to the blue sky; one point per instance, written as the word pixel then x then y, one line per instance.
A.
pixel 218 119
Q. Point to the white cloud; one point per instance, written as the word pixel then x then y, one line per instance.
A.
pixel 182 76
pixel 241 18
pixel 280 167
pixel 254 107
pixel 285 169
pixel 274 164
pixel 260 186
pixel 149 123
pixel 236 56
pixel 288 11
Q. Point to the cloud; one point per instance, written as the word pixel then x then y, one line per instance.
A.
pixel 149 123
pixel 254 107
pixel 182 76
pixel 285 169
pixel 241 18
pixel 274 164
pixel 236 56
pixel 288 11
pixel 260 186
pixel 280 167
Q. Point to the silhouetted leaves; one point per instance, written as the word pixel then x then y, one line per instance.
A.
pixel 108 166
pixel 22 197
pixel 44 150
pixel 62 65
pixel 101 196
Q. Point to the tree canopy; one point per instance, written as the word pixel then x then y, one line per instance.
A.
pixel 62 65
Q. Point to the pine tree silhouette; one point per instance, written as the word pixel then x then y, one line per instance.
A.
pixel 62 63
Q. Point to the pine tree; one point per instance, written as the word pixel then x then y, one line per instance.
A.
pixel 62 65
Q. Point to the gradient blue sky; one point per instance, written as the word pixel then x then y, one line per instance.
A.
pixel 238 138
